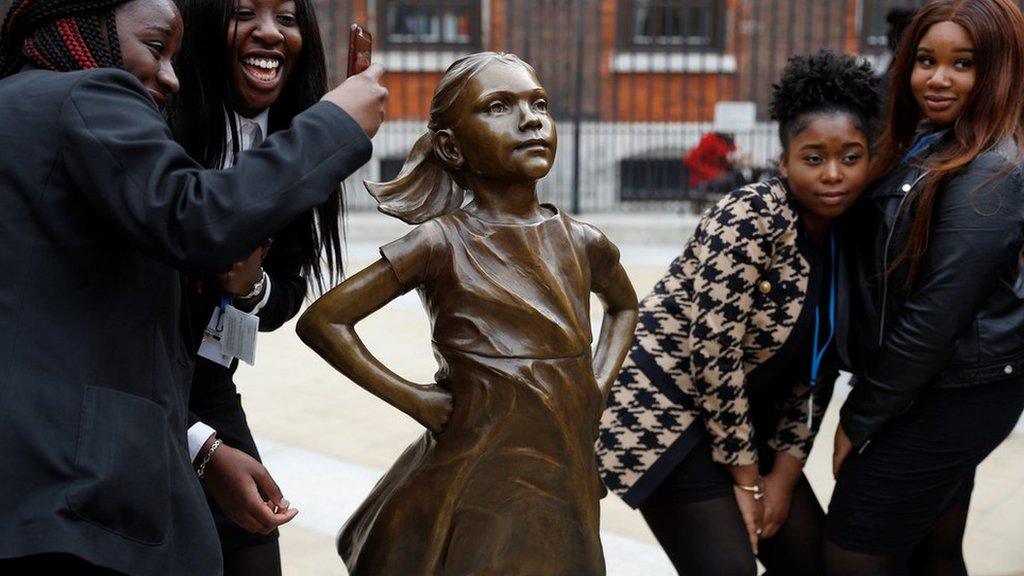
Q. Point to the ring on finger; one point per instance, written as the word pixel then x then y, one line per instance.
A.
pixel 759 531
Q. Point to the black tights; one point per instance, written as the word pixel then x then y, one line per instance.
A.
pixel 709 537
pixel 257 560
pixel 939 554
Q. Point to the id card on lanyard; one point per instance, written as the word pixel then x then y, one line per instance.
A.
pixel 230 334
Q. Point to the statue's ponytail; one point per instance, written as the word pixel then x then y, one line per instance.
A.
pixel 423 189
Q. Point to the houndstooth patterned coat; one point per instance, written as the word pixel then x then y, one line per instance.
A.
pixel 726 306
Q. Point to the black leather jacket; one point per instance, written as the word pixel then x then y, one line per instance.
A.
pixel 962 322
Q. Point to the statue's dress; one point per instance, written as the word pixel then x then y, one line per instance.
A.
pixel 510 487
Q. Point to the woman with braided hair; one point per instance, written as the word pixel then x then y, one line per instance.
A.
pixel 99 211
pixel 732 366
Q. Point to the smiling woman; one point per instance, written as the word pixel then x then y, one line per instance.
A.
pixel 266 44
pixel 150 35
pixel 248 67
pixel 944 73
pixel 935 340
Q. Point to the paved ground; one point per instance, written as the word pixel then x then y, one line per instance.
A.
pixel 327 441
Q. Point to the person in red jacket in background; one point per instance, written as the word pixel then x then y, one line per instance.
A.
pixel 712 158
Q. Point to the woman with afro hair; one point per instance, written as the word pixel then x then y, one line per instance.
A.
pixel 733 360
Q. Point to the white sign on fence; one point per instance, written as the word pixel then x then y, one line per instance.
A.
pixel 735 117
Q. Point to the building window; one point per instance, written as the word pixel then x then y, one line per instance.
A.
pixel 672 24
pixel 879 18
pixel 390 167
pixel 434 24
pixel 653 179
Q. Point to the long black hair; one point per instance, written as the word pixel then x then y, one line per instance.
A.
pixel 196 115
pixel 62 35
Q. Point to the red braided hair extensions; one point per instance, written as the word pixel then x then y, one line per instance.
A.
pixel 16 10
pixel 65 35
pixel 37 57
pixel 68 28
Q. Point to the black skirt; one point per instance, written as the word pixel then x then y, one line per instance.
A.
pixel 889 498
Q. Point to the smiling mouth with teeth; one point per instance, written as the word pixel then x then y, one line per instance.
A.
pixel 265 69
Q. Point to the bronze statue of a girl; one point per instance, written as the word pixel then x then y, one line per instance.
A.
pixel 505 480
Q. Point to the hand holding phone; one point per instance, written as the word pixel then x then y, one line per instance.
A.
pixel 363 98
pixel 360 45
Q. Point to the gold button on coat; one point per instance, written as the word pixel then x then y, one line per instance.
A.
pixel 765 287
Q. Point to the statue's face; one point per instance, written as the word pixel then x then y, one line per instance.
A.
pixel 504 130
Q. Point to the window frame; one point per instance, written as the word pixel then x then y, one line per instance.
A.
pixel 716 37
pixel 384 42
pixel 868 12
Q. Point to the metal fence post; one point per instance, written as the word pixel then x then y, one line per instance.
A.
pixel 578 111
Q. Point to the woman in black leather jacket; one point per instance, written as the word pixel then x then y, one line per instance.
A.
pixel 935 341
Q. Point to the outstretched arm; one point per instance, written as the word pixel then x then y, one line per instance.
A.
pixel 328 327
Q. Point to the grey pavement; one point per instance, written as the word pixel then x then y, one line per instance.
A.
pixel 327 441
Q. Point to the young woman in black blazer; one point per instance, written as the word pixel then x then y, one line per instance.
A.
pixel 99 210
pixel 250 66
pixel 936 343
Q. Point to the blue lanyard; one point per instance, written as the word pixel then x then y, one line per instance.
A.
pixel 818 353
pixel 924 142
pixel 225 301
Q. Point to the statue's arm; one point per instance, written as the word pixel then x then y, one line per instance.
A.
pixel 620 314
pixel 328 327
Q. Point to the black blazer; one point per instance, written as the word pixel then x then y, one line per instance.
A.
pixel 214 399
pixel 99 208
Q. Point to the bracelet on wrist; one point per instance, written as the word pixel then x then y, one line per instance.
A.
pixel 756 489
pixel 201 469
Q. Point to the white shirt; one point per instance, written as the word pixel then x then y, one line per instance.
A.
pixel 199 433
pixel 246 130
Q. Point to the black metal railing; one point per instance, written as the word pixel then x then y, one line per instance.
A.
pixel 634 84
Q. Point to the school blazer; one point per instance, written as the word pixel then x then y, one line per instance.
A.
pixel 726 306
pixel 99 209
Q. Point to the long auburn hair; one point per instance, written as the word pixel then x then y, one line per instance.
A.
pixel 196 115
pixel 993 112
